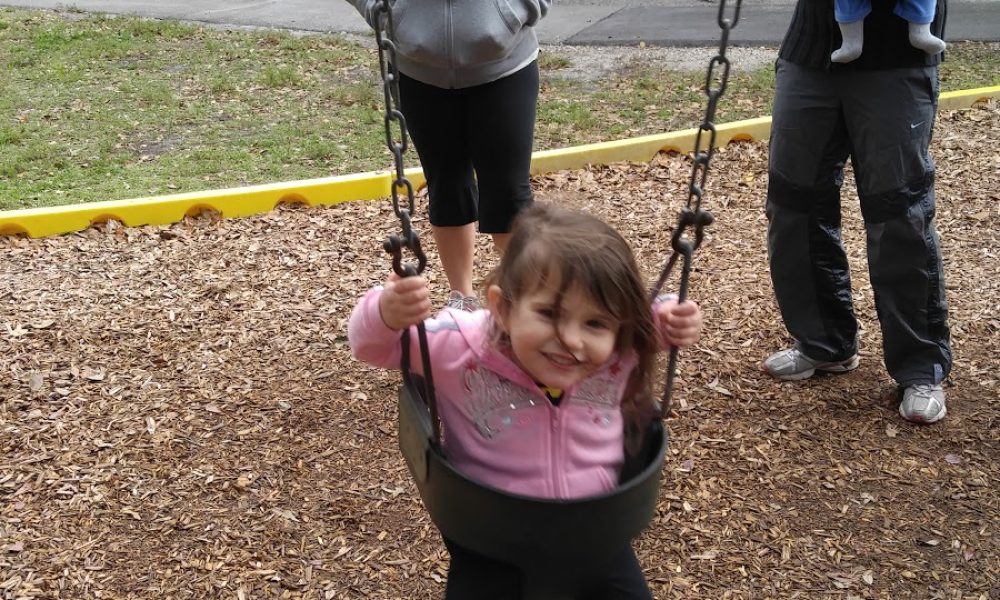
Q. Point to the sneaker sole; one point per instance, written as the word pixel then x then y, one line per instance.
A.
pixel 834 368
pixel 793 376
pixel 841 367
pixel 922 421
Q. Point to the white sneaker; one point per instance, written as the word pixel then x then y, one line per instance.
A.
pixel 792 365
pixel 923 403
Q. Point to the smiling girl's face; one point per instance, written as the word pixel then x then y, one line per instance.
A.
pixel 559 345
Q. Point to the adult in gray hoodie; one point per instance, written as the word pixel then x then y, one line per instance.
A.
pixel 469 90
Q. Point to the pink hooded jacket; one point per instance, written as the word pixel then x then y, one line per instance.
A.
pixel 499 427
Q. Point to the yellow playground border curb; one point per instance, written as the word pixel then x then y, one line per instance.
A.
pixel 242 202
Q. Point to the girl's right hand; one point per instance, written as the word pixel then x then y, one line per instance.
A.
pixel 404 301
pixel 680 324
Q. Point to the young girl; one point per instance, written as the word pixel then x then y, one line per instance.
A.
pixel 535 392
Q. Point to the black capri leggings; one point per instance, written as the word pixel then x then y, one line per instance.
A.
pixel 482 133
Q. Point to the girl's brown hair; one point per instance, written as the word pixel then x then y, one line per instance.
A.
pixel 551 244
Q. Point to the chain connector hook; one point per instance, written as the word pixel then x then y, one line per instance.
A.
pixel 410 240
pixel 696 220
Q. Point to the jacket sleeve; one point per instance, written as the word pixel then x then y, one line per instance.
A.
pixel 367 10
pixel 373 342
pixel 535 9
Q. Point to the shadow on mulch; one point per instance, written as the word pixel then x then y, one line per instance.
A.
pixel 181 418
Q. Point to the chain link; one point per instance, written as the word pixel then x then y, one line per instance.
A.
pixel 385 36
pixel 691 223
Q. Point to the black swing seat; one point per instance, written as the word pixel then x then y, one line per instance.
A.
pixel 555 543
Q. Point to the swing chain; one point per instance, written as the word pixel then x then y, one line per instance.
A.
pixel 692 218
pixel 385 34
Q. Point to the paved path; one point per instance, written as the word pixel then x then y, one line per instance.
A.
pixel 577 22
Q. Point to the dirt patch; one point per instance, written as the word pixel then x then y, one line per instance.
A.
pixel 180 416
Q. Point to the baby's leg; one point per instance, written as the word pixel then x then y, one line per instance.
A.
pixel 922 38
pixel 919 14
pixel 853 35
pixel 850 15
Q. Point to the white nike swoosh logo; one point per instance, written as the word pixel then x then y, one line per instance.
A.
pixel 915 125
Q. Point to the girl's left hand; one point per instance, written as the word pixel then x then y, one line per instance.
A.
pixel 680 324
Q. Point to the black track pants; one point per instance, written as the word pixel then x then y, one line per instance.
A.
pixel 883 121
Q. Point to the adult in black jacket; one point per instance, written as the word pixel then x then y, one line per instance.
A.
pixel 878 110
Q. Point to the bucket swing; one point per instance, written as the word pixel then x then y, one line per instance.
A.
pixel 555 543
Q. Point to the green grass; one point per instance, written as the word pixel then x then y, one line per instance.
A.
pixel 99 108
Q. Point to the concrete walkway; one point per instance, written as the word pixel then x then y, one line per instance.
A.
pixel 579 22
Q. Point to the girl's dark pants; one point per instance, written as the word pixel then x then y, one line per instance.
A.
pixel 475 147
pixel 472 576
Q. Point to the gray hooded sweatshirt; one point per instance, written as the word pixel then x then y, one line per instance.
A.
pixel 461 43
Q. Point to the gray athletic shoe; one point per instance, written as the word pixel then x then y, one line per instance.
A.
pixel 792 365
pixel 923 403
pixel 460 301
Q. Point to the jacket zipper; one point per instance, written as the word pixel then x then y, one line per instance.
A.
pixel 556 454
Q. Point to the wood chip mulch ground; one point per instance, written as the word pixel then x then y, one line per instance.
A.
pixel 180 416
